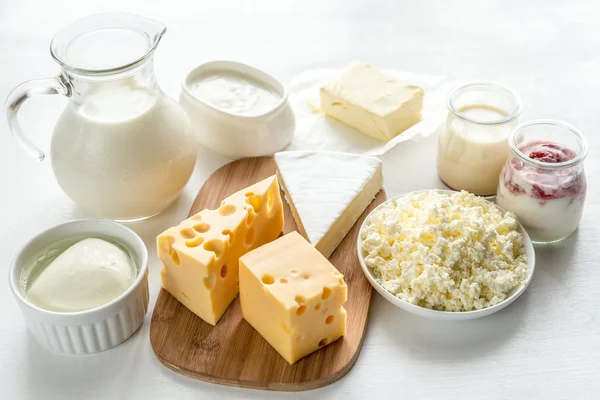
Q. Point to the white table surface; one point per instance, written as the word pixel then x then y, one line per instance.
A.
pixel 544 346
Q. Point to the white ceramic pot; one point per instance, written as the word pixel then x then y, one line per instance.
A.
pixel 92 330
pixel 233 135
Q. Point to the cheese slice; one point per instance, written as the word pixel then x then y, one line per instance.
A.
pixel 201 254
pixel 378 105
pixel 293 296
pixel 327 192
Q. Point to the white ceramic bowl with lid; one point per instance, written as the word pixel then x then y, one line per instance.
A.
pixel 446 315
pixel 237 135
pixel 88 331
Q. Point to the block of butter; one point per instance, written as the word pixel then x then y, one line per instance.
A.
pixel 201 254
pixel 378 105
pixel 293 296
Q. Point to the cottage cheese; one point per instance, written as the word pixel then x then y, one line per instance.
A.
pixel 445 252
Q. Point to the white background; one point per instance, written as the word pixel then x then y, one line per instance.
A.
pixel 544 346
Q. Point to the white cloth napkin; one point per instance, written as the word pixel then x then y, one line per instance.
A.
pixel 315 131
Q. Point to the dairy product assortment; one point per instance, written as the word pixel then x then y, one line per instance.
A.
pixel 445 252
pixel 124 150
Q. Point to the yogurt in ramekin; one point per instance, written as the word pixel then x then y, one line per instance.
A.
pixel 99 322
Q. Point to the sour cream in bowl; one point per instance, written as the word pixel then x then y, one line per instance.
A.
pixel 237 110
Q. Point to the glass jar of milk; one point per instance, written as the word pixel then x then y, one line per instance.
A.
pixel 473 146
pixel 121 149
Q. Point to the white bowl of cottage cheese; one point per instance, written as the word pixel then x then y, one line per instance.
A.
pixel 445 255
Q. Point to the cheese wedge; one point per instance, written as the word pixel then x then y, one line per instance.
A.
pixel 293 296
pixel 377 104
pixel 201 254
pixel 327 192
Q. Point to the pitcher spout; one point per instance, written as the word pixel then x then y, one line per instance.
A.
pixel 87 46
pixel 153 29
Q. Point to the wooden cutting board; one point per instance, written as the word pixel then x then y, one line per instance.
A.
pixel 232 352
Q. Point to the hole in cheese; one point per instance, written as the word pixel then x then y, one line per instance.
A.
pixel 216 246
pixel 209 281
pixel 271 200
pixel 336 104
pixel 227 232
pixel 249 194
pixel 283 280
pixel 202 228
pixel 223 271
pixel 317 307
pixel 175 257
pixel 227 210
pixel 197 217
pixel 329 319
pixel 251 217
pixel 323 342
pixel 305 276
pixel 188 233
pixel 195 242
pixel 300 310
pixel 185 296
pixel 300 299
pixel 256 202
pixel 293 272
pixel 268 280
pixel 341 281
pixel 249 237
pixel 166 243
pixel 326 293
pixel 285 328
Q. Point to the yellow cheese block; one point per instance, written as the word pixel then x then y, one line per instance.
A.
pixel 293 296
pixel 201 254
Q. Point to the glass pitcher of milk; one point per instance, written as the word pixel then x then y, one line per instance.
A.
pixel 121 149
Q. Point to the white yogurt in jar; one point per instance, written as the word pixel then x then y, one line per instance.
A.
pixel 472 149
pixel 89 274
pixel 234 93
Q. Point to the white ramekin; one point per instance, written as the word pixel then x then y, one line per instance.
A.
pixel 233 135
pixel 92 330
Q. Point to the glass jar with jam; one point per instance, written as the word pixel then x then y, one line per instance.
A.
pixel 543 181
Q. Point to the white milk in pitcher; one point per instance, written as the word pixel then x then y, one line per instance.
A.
pixel 125 153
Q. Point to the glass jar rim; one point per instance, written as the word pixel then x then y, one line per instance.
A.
pixel 486 85
pixel 570 163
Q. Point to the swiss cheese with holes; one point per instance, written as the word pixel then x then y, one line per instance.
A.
pixel 293 296
pixel 201 254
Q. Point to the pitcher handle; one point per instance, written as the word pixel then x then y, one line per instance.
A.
pixel 16 98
